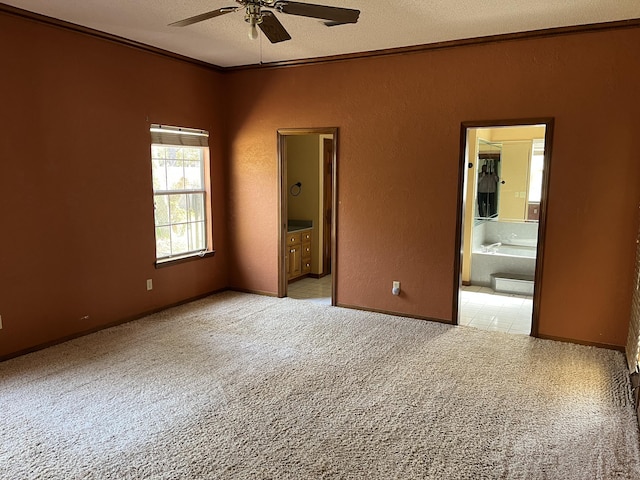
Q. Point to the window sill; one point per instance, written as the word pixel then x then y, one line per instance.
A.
pixel 187 258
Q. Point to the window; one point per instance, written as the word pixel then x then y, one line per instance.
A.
pixel 535 175
pixel 181 192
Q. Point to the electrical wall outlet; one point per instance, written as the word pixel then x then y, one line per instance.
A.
pixel 149 284
pixel 395 290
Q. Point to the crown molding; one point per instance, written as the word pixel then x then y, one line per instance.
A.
pixel 506 37
pixel 18 12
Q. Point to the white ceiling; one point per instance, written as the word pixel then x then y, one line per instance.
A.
pixel 383 24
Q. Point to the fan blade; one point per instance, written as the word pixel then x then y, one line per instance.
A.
pixel 203 16
pixel 335 14
pixel 272 28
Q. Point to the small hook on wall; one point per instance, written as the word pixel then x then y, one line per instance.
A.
pixel 295 189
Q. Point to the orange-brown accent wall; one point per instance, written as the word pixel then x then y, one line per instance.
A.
pixel 77 234
pixel 75 182
pixel 399 119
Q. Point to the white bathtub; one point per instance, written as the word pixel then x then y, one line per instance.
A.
pixel 512 251
pixel 513 259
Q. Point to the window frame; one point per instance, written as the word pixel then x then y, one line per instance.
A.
pixel 182 137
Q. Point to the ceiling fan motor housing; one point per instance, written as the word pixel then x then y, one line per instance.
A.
pixel 253 14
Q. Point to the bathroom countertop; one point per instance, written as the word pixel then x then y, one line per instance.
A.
pixel 297 225
pixel 293 228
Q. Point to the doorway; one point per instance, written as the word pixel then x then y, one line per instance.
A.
pixel 502 205
pixel 307 160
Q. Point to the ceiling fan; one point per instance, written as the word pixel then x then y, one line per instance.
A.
pixel 259 13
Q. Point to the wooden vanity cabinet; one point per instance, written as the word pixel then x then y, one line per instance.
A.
pixel 298 253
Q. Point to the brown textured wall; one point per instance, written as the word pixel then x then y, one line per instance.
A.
pixel 399 119
pixel 75 187
pixel 75 181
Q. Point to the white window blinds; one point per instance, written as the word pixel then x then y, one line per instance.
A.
pixel 168 135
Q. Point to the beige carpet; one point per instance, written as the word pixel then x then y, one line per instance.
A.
pixel 241 386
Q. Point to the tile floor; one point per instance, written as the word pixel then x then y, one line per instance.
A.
pixel 481 307
pixel 317 290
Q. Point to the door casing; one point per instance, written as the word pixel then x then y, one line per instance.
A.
pixel 548 122
pixel 282 204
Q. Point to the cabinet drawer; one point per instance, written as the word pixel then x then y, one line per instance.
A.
pixel 306 236
pixel 294 238
pixel 306 250
pixel 306 265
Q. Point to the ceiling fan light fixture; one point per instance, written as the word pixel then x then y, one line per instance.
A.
pixel 253 17
pixel 253 32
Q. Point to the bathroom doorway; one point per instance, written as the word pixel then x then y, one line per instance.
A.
pixel 307 160
pixel 501 220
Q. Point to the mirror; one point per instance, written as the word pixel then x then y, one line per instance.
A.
pixel 505 174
